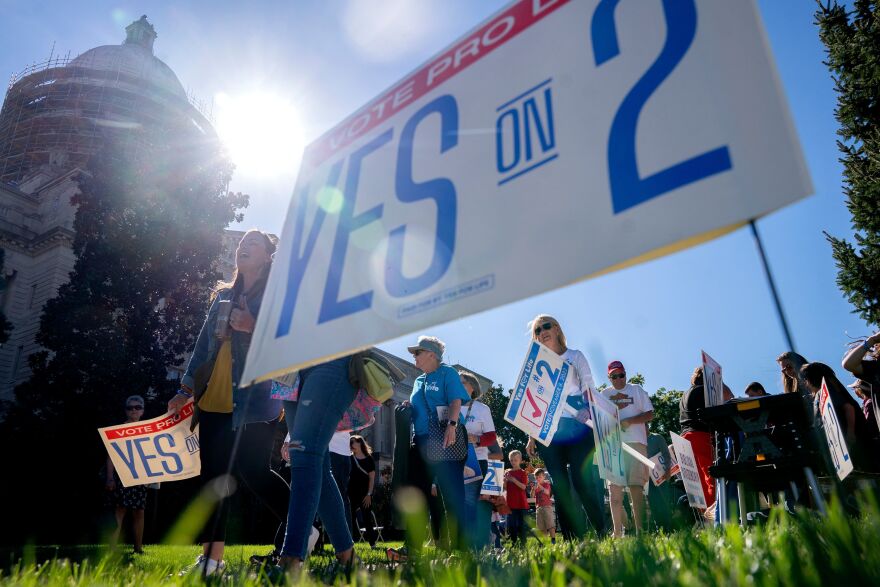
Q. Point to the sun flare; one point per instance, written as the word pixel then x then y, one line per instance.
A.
pixel 261 131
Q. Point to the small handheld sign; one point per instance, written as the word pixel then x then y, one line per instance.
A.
pixel 537 402
pixel 664 467
pixel 690 474
pixel 713 387
pixel 152 451
pixel 609 445
pixel 840 456
pixel 493 482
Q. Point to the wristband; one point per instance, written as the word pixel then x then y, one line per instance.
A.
pixel 184 393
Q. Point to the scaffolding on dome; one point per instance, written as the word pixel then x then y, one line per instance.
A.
pixel 57 113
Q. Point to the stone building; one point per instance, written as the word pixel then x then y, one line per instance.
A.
pixel 55 116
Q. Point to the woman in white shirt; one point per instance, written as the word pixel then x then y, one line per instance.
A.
pixel 569 456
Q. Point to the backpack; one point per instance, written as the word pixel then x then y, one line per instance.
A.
pixel 371 371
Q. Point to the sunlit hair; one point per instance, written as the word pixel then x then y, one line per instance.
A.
pixel 539 472
pixel 540 319
pixel 513 452
pixel 236 284
pixel 471 380
pixel 365 446
pixel 790 384
pixel 697 377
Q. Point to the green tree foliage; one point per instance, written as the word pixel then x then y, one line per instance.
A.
pixel 666 406
pixel 5 325
pixel 852 44
pixel 511 437
pixel 149 229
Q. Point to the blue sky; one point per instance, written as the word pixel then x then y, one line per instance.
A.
pixel 325 59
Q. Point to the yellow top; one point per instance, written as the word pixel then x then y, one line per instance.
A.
pixel 218 396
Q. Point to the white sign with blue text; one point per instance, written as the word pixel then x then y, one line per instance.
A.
pixel 840 456
pixel 608 439
pixel 493 482
pixel 537 403
pixel 153 451
pixel 555 141
pixel 713 385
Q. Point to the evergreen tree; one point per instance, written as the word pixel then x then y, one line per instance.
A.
pixel 852 42
pixel 5 325
pixel 149 228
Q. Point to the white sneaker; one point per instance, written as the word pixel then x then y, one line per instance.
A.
pixel 204 566
pixel 313 540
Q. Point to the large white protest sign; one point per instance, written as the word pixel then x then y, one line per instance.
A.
pixel 536 404
pixel 690 474
pixel 606 434
pixel 493 482
pixel 713 386
pixel 157 450
pixel 558 140
pixel 840 456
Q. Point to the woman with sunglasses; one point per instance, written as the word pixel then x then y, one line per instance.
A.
pixel 125 499
pixel 568 459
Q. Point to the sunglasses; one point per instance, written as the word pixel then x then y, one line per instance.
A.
pixel 544 326
pixel 134 407
pixel 618 376
pixel 417 352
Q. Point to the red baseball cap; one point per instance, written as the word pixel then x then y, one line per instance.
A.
pixel 615 366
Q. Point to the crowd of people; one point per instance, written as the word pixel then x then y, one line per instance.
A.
pixel 446 438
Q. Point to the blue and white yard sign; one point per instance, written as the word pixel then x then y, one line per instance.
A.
pixel 840 456
pixel 608 439
pixel 537 403
pixel 493 482
pixel 713 386
pixel 552 128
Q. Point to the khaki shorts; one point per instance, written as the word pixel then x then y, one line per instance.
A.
pixel 546 518
pixel 636 472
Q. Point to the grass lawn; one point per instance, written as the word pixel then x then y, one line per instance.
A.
pixel 837 551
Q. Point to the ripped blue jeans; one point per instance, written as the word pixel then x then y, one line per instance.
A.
pixel 324 396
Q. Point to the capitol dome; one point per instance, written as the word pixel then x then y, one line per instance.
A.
pixel 60 114
pixel 133 60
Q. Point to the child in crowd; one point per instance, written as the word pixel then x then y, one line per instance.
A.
pixel 545 513
pixel 515 483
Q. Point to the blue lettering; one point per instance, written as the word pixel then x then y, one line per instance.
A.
pixel 129 462
pixel 171 455
pixel 546 137
pixel 499 141
pixel 145 458
pixel 627 188
pixel 441 190
pixel 300 260
pixel 331 306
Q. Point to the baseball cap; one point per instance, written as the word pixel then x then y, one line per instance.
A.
pixel 615 366
pixel 428 343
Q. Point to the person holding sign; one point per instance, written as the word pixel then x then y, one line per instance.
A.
pixel 635 411
pixel 132 498
pixel 481 434
pixel 852 423
pixel 436 401
pixel 568 459
pixel 698 432
pixel 230 416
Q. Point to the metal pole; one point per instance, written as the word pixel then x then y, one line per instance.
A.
pixel 772 284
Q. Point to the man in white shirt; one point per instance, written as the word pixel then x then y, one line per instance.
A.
pixel 635 411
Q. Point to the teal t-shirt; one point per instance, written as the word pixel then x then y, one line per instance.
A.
pixel 441 387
